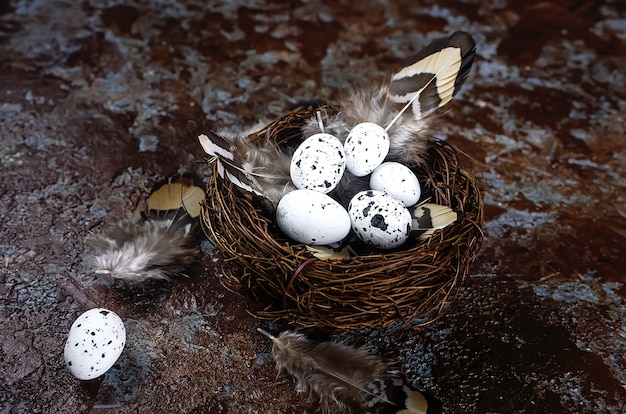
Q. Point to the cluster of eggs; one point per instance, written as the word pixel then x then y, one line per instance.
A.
pixel 379 216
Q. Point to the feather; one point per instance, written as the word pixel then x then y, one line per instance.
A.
pixel 415 402
pixel 136 251
pixel 437 73
pixel 337 374
pixel 327 253
pixel 173 193
pixel 160 241
pixel 259 169
pixel 343 378
pixel 429 217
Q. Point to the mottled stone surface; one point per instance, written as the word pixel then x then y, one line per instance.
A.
pixel 94 102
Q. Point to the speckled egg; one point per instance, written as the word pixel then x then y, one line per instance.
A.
pixel 95 341
pixel 366 147
pixel 379 219
pixel 311 217
pixel 398 181
pixel 318 163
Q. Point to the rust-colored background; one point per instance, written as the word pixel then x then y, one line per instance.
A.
pixel 94 103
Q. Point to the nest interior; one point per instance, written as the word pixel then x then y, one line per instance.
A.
pixel 411 286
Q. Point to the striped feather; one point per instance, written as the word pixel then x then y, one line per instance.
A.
pixel 435 76
pixel 262 170
pixel 344 378
pixel 215 145
pixel 430 217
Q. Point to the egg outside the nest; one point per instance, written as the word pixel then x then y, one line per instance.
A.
pixel 398 181
pixel 379 219
pixel 318 163
pixel 366 147
pixel 95 342
pixel 311 217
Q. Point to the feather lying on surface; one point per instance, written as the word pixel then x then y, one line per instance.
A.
pixel 169 196
pixel 160 242
pixel 344 379
pixel 136 251
pixel 401 105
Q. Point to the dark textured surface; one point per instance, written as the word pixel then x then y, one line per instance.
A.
pixel 94 103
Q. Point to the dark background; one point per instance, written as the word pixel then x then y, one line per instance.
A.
pixel 94 102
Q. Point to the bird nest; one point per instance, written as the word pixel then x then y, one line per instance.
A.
pixel 410 286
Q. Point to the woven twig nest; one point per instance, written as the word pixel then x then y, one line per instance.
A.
pixel 284 280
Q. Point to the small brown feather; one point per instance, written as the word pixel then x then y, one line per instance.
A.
pixel 342 377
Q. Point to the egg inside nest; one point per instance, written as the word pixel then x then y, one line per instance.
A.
pixel 380 192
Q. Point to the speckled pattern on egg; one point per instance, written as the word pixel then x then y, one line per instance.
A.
pixel 379 219
pixel 95 341
pixel 318 163
pixel 366 147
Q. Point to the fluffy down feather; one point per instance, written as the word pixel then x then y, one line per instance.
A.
pixel 149 249
pixel 338 375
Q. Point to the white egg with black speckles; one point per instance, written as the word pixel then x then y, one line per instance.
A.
pixel 398 181
pixel 311 217
pixel 318 163
pixel 95 341
pixel 366 147
pixel 379 219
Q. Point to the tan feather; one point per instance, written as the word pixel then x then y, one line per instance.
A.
pixel 339 375
pixel 433 78
pixel 175 193
pixel 444 67
pixel 415 402
pixel 429 217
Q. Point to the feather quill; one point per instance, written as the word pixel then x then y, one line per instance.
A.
pixel 337 374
